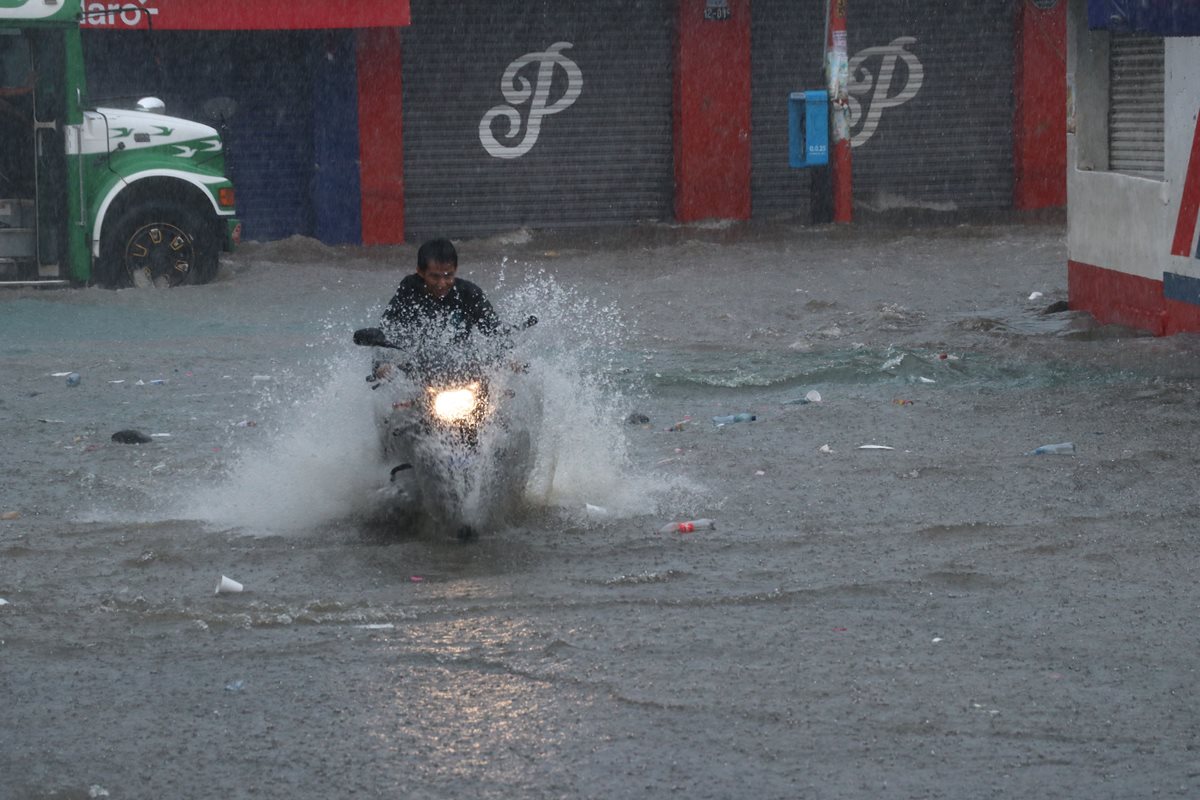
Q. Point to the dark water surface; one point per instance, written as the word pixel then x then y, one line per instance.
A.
pixel 948 618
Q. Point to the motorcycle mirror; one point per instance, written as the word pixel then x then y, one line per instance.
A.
pixel 370 337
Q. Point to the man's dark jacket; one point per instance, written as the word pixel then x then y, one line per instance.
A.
pixel 413 311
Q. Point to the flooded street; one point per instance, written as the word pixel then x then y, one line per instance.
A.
pixel 938 616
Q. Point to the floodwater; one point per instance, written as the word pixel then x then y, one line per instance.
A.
pixel 944 618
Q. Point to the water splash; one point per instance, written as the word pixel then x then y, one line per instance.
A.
pixel 316 463
pixel 576 353
pixel 317 460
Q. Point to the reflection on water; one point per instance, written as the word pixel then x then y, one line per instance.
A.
pixel 945 601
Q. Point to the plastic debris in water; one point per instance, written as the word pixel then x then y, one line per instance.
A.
pixel 227 586
pixel 130 437
pixel 689 526
pixel 1060 449
pixel 875 447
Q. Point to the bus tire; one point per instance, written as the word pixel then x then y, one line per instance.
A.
pixel 158 244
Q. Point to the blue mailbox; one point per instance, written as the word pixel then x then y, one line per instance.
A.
pixel 808 128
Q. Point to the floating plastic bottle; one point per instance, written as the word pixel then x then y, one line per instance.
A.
pixel 813 396
pixel 689 527
pixel 1062 448
pixel 729 419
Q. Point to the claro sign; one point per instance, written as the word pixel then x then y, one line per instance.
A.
pixel 119 15
pixel 243 15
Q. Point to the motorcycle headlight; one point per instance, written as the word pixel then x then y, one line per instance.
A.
pixel 455 405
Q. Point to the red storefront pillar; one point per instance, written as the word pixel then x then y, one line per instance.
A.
pixel 380 140
pixel 712 110
pixel 1040 118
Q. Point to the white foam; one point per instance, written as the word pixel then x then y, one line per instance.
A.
pixel 319 461
pixel 315 458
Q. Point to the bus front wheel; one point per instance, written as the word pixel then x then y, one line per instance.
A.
pixel 159 244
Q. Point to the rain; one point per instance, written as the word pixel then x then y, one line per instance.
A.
pixel 809 510
pixel 894 596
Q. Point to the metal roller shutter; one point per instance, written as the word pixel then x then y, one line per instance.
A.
pixel 1136 105
pixel 938 134
pixel 270 156
pixel 601 151
pixel 787 56
pixel 269 146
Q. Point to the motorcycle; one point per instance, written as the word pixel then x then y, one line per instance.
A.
pixel 455 428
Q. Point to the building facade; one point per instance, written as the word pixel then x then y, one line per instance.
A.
pixel 467 118
pixel 1133 149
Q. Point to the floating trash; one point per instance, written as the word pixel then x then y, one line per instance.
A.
pixel 1059 449
pixel 228 586
pixel 689 526
pixel 130 437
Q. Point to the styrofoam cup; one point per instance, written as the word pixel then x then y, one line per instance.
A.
pixel 227 586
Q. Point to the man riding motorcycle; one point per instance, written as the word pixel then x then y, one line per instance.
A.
pixel 431 320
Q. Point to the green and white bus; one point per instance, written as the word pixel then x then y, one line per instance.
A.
pixel 93 195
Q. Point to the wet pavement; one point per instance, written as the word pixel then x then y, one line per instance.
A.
pixel 938 615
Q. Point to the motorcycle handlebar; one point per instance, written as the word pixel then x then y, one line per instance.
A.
pixel 529 322
pixel 375 337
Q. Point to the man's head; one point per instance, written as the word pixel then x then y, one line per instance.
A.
pixel 437 263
